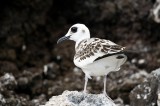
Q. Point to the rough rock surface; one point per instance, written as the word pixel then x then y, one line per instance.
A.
pixel 155 11
pixel 75 98
pixel 147 93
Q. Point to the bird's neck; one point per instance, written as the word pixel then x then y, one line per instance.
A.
pixel 87 36
pixel 79 42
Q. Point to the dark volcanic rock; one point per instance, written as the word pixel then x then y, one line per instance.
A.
pixel 30 80
pixel 8 67
pixel 146 94
pixel 8 81
pixel 51 70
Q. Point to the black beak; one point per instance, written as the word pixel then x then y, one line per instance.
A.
pixel 63 38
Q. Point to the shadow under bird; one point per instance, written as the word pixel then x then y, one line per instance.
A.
pixel 96 57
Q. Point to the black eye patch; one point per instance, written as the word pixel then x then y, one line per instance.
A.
pixel 74 29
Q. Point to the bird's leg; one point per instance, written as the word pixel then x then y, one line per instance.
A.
pixel 104 90
pixel 85 85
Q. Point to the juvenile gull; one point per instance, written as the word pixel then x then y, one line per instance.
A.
pixel 96 57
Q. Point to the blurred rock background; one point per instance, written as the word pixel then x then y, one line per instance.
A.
pixel 33 67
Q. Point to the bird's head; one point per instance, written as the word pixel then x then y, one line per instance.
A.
pixel 77 33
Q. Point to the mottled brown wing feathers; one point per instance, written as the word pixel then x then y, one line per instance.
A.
pixel 90 47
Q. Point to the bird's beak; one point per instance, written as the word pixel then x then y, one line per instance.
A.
pixel 63 38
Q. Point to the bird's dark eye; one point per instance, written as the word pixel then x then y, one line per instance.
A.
pixel 74 29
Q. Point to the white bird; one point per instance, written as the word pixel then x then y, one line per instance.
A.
pixel 96 57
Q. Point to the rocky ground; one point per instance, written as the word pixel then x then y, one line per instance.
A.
pixel 33 67
pixel 74 98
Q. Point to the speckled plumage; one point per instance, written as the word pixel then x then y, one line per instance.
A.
pixel 89 47
pixel 93 56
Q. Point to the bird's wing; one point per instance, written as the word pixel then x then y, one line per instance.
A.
pixel 94 49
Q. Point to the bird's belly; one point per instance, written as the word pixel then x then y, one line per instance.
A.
pixel 99 70
pixel 103 66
